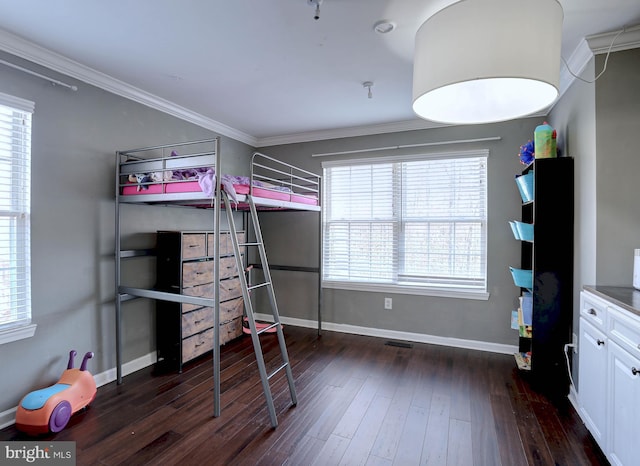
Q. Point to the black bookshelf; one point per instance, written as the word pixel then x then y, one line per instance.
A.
pixel 550 257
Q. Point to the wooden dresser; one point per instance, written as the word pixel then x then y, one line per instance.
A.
pixel 185 264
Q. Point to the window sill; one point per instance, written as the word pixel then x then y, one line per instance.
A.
pixel 17 333
pixel 412 290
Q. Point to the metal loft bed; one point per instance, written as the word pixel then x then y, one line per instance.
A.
pixel 186 174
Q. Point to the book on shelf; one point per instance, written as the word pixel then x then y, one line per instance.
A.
pixel 523 360
pixel 526 305
pixel 524 330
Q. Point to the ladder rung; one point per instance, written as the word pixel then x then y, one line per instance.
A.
pixel 249 244
pixel 266 329
pixel 277 370
pixel 259 285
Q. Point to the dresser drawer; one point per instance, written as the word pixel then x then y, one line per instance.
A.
pixel 230 330
pixel 226 245
pixel 197 344
pixel 229 289
pixel 197 321
pixel 594 310
pixel 624 329
pixel 202 342
pixel 197 273
pixel 201 272
pixel 193 245
pixel 201 291
pixel 228 267
pixel 231 309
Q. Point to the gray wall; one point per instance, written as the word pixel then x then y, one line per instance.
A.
pixel 485 321
pixel 599 122
pixel 75 136
pixel 574 118
pixel 618 167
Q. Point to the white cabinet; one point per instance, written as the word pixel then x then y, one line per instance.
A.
pixel 592 347
pixel 624 388
pixel 593 384
pixel 609 377
pixel 624 418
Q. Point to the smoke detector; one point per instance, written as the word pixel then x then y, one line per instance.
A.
pixel 316 4
pixel 384 26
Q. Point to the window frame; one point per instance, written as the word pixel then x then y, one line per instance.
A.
pixel 17 214
pixel 465 292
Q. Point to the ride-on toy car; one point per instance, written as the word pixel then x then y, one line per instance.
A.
pixel 49 409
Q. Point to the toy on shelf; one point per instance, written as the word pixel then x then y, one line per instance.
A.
pixel 49 409
pixel 527 153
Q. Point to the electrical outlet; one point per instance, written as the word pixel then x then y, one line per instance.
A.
pixel 575 343
pixel 388 303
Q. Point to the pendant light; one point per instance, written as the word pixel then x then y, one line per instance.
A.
pixel 482 61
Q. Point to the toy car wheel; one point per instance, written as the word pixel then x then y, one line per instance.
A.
pixel 60 416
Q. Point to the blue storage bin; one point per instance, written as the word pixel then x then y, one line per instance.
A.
pixel 525 186
pixel 525 231
pixel 514 229
pixel 522 278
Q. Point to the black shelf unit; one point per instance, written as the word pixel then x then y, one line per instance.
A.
pixel 550 257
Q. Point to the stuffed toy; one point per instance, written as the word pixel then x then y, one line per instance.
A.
pixel 141 179
pixel 159 177
pixel 527 153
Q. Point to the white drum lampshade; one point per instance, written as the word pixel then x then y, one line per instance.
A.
pixel 483 61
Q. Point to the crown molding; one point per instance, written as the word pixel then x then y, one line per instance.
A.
pixel 575 65
pixel 396 127
pixel 629 38
pixel 39 55
pixel 622 39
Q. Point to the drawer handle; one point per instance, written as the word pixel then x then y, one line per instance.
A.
pixel 202 343
pixel 600 342
pixel 593 312
pixel 635 371
pixel 194 246
pixel 196 322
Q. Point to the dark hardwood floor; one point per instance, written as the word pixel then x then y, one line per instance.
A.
pixel 360 401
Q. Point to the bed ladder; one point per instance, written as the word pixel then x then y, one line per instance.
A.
pixel 246 288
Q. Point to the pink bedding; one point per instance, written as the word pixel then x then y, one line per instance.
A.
pixel 194 187
pixel 133 189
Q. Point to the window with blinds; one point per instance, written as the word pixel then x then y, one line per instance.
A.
pixel 15 208
pixel 415 222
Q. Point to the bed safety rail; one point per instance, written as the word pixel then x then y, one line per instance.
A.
pixel 274 175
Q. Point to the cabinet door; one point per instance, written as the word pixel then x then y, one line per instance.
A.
pixel 624 418
pixel 592 386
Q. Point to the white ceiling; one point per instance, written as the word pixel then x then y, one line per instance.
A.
pixel 259 70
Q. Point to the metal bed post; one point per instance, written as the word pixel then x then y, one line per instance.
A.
pixel 320 258
pixel 118 302
pixel 216 281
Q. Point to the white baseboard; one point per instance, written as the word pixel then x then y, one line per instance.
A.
pixel 8 417
pixel 396 335
pixel 574 400
pixel 130 367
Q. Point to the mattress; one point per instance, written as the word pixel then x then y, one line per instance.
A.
pixel 194 187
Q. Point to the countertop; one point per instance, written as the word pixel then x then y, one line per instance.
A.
pixel 625 297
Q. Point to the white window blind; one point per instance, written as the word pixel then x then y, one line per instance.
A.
pixel 15 210
pixel 412 222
